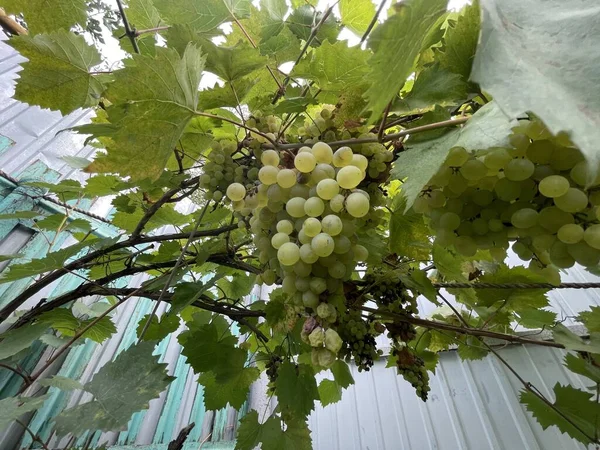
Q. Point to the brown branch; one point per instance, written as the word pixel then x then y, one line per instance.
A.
pixel 382 126
pixel 10 25
pixel 25 377
pixel 179 441
pixel 151 30
pixel 34 436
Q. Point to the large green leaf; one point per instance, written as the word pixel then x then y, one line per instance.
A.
pixel 583 365
pixel 334 66
pixel 62 383
pixel 42 17
pixel 540 62
pixel 62 320
pixel 396 44
pixel 201 16
pixel 571 341
pixel 591 319
pixel 166 215
pixel 296 389
pixel 142 14
pixel 231 63
pixel 488 127
pixel 234 391
pixel 12 342
pixel 409 234
pixel 57 75
pixel 574 407
pixel 356 15
pixel 303 19
pixel 153 100
pixel 251 433
pixel 120 388
pixel 14 407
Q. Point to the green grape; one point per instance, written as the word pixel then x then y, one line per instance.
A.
pixel 268 175
pixel 332 225
pixel 285 226
pixel 279 239
pixel 337 203
pixel 482 198
pixel 289 284
pixel 269 277
pixel 360 161
pixel 327 189
pixel 303 238
pixel 286 178
pixel 322 244
pixel 584 254
pixel 570 233
pixel 495 225
pixel 497 159
pixel 295 207
pixel 457 156
pixel 357 205
pixel 552 218
pixel 442 177
pixel 305 162
pixel 421 205
pixel 594 198
pixel 457 184
pixel 314 207
pixel 302 269
pixel 310 299
pixel 565 158
pixel 449 221
pixel 540 152
pixel 360 252
pixel 519 169
pixel 436 199
pixel 348 177
pixel 337 270
pixel 270 158
pixel 507 190
pixel 302 284
pixel 307 254
pixel 321 172
pixel 592 236
pixel 543 242
pixel 524 218
pixel 312 227
pixel 560 255
pixel 542 172
pixel 318 285
pixel 341 244
pixel 276 193
pixel 480 226
pixel 288 254
pixel 300 190
pixel 342 157
pixel 473 170
pixel 465 245
pixel 322 152
pixel 554 186
pixel 573 201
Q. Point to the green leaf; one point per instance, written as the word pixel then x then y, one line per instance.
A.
pixel 591 319
pixel 488 127
pixel 21 215
pixel 302 20
pixel 296 389
pixel 231 63
pixel 42 17
pixel 356 15
pixel 234 391
pixel 437 114
pixel 142 14
pixel 212 347
pixel 9 257
pixel 574 404
pixel 63 320
pixel 158 328
pixel 460 42
pixel 53 260
pixel 334 66
pixel 341 374
pixel 419 281
pixel 547 58
pixel 562 335
pixel 294 105
pixel 230 94
pixel 14 407
pixel 62 383
pixel 583 365
pixel 536 318
pixel 409 234
pixel 329 392
pixel 433 86
pixel 396 44
pixel 166 215
pixel 102 185
pixel 57 73
pixel 239 286
pixel 470 348
pixel 153 100
pixel 448 263
pixel 120 388
pixel 201 17
pixel 14 341
pixel 517 299
pixel 251 433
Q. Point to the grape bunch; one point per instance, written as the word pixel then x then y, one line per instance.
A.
pixel 272 370
pixel 412 368
pixel 538 194
pixel 358 340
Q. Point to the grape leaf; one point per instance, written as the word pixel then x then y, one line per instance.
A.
pixel 14 341
pixel 120 388
pixel 294 105
pixel 63 320
pixel 14 407
pixel 274 12
pixel 142 14
pixel 153 100
pixel 201 16
pixel 571 341
pixel 517 299
pixel 356 15
pixel 42 17
pixel 231 63
pixel 433 86
pixel 591 319
pixel 471 349
pixel 57 73
pixel 62 383
pixel 583 366
pixel 296 389
pixel 460 42
pixel 234 391
pixel 396 44
pixel 230 94
pixel 574 404
pixel 21 215
pixel 536 318
pixel 166 215
pixel 102 185
pixel 546 58
pixel 341 374
pixel 329 392
pixel 251 433
pixel 158 328
pixel 239 285
pixel 303 19
pixel 409 234
pixel 488 127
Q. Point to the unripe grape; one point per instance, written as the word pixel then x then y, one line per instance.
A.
pixel 269 277
pixel 307 254
pixel 327 189
pixel 314 207
pixel 279 239
pixel 457 156
pixel 570 233
pixel 322 152
pixel 285 226
pixel 360 253
pixel 592 236
pixel 337 270
pixel 357 205
pixel 573 201
pixel 584 254
pixel 270 158
pixel 341 244
pixel 268 175
pixel 552 218
pixel 560 256
pixel 349 177
pixel 524 218
pixel 519 169
pixel 310 300
pixel 312 227
pixel 322 244
pixel 465 245
pixel 540 152
pixel 507 190
pixel 286 178
pixel 235 192
pixel 449 221
pixel 302 269
pixel 342 157
pixel 497 159
pixel 473 170
pixel 295 207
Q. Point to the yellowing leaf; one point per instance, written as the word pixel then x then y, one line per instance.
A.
pixel 57 74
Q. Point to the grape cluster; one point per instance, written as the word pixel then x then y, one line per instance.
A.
pixel 359 341
pixel 412 368
pixel 539 193
pixel 272 370
pixel 222 170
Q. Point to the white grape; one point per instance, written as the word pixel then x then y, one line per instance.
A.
pixel 269 158
pixel 285 226
pixel 337 203
pixel 235 192
pixel 312 227
pixel 268 175
pixel 349 177
pixel 322 152
pixel 342 157
pixel 357 205
pixel 360 161
pixel 295 207
pixel 279 239
pixel 332 225
pixel 573 201
pixel 288 254
pixel 327 189
pixel 322 244
pixel 360 253
pixel 286 178
pixel 307 254
pixel 314 207
pixel 305 162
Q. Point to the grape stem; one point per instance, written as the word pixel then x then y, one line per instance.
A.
pixel 388 138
